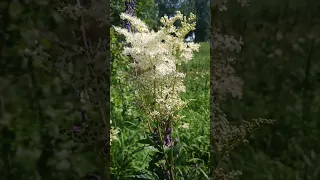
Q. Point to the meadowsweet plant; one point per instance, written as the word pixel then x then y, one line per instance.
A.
pixel 157 81
pixel 113 133
pixel 89 73
pixel 224 135
pixel 85 67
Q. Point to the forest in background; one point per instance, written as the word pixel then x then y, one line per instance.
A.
pixel 278 64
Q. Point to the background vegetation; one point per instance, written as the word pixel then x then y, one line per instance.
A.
pixel 279 67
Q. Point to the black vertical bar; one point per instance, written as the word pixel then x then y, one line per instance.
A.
pixel 108 93
pixel 212 97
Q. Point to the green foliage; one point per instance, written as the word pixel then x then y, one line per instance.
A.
pixel 226 135
pixel 168 7
pixel 278 65
pixel 144 9
pixel 195 144
pixel 37 99
pixel 147 10
pixel 203 20
pixel 125 157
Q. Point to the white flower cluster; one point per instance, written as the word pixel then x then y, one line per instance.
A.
pixel 156 56
pixel 113 133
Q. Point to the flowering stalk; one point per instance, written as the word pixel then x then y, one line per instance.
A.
pixel 224 136
pixel 158 84
pixel 129 4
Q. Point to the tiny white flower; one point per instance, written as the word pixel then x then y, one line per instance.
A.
pixel 185 125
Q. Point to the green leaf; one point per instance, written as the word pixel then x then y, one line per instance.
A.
pixel 146 141
pixel 204 174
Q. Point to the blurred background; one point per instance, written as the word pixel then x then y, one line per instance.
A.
pixel 279 64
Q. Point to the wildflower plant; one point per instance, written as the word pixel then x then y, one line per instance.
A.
pixel 84 64
pixel 224 135
pixel 158 82
pixel 113 133
pixel 129 4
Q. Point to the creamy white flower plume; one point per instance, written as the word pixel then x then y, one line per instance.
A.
pixel 156 56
